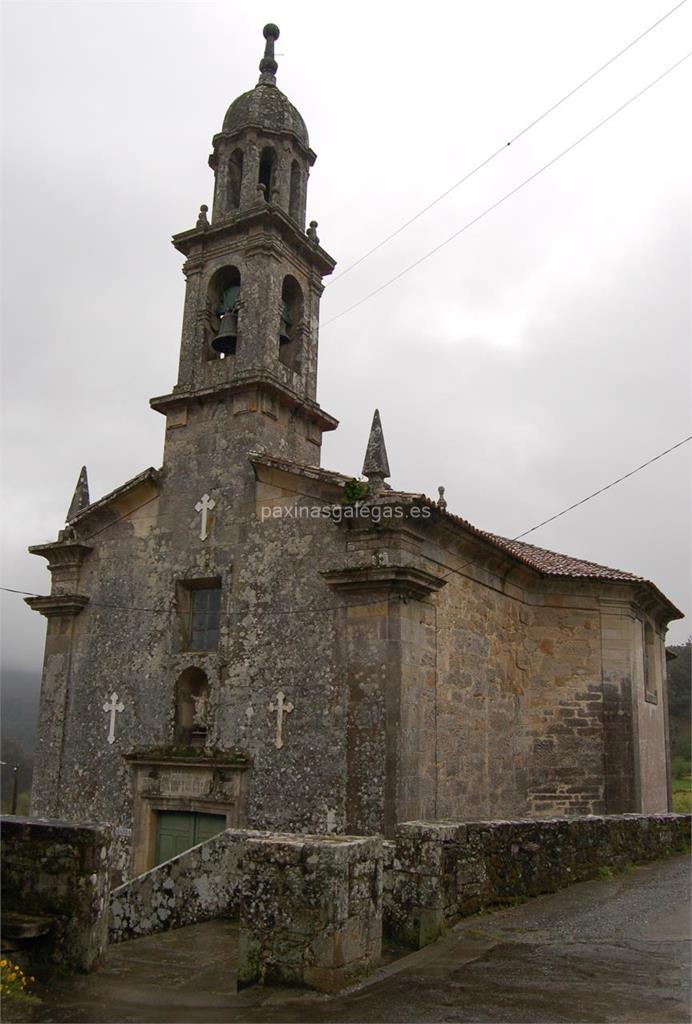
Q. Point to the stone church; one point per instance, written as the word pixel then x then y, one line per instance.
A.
pixel 242 637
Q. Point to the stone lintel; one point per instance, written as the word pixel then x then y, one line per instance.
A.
pixel 403 580
pixel 57 604
pixel 259 380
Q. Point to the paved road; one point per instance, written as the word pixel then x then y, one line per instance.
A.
pixel 612 950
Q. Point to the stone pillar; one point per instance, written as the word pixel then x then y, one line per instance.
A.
pixel 620 740
pixel 389 650
pixel 310 910
pixel 61 609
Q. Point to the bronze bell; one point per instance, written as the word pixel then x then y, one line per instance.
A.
pixel 286 324
pixel 225 340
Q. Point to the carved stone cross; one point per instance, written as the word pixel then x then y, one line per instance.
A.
pixel 204 505
pixel 113 706
pixel 281 707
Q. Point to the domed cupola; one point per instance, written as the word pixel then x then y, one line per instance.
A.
pixel 262 154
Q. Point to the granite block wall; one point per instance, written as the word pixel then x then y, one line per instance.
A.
pixel 55 879
pixel 436 872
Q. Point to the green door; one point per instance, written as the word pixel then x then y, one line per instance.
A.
pixel 177 831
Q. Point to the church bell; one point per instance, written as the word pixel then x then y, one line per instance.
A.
pixel 225 340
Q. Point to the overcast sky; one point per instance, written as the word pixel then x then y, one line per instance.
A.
pixel 541 354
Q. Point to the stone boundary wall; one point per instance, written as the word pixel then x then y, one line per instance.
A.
pixel 437 872
pixel 55 884
pixel 199 884
pixel 311 910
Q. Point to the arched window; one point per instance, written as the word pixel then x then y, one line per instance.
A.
pixel 294 195
pixel 267 167
pixel 222 306
pixel 291 323
pixel 235 178
pixel 191 706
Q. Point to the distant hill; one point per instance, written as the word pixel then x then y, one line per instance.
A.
pixel 19 699
pixel 19 696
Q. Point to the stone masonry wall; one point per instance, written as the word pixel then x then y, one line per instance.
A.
pixel 563 713
pixel 483 756
pixel 60 872
pixel 436 872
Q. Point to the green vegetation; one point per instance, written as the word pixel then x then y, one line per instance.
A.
pixel 680 701
pixel 353 492
pixel 680 715
pixel 682 801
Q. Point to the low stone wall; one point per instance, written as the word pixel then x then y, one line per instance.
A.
pixel 197 885
pixel 311 910
pixel 437 872
pixel 55 884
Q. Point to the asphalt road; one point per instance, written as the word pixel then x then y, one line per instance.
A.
pixel 607 950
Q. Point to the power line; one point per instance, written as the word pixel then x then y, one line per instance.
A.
pixel 503 148
pixel 321 608
pixel 583 501
pixel 508 195
pixel 602 489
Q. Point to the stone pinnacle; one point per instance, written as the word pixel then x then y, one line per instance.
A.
pixel 376 465
pixel 80 498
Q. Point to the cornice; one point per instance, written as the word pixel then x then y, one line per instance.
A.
pixel 195 242
pixel 262 381
pixel 62 554
pixel 176 757
pixel 402 580
pixel 262 131
pixel 54 605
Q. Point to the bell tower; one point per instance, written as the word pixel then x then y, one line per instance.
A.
pixel 254 278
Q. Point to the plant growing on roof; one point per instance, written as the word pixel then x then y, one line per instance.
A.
pixel 354 491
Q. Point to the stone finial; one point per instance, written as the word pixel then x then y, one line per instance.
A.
pixel 376 465
pixel 312 232
pixel 202 221
pixel 268 66
pixel 441 500
pixel 80 498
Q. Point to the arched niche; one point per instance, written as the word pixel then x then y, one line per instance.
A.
pixel 191 706
pixel 235 178
pixel 267 171
pixel 295 193
pixel 290 331
pixel 223 303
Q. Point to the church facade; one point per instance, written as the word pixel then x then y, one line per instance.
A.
pixel 242 637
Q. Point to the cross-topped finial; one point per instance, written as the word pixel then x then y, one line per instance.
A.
pixel 268 66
